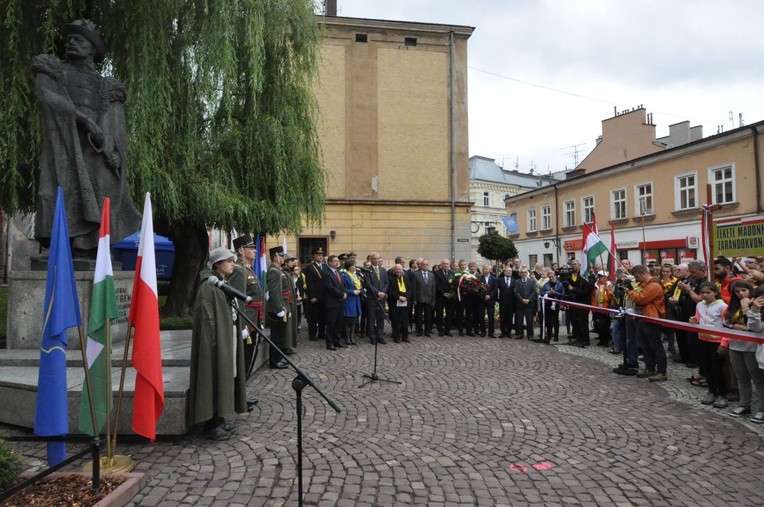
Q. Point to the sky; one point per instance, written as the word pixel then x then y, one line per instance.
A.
pixel 543 74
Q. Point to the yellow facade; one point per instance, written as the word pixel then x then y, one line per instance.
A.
pixel 392 100
pixel 667 220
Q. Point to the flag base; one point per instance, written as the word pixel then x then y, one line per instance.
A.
pixel 119 465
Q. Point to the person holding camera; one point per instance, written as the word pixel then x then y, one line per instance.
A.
pixel 650 301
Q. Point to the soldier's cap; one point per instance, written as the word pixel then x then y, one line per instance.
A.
pixel 342 256
pixel 220 253
pixel 244 241
pixel 318 251
pixel 288 257
pixel 87 29
pixel 276 250
pixel 352 254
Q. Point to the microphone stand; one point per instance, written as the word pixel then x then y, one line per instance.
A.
pixel 301 381
pixel 374 377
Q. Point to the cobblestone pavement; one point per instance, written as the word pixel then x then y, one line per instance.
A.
pixel 475 421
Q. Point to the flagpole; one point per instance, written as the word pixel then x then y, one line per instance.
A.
pixel 121 391
pixel 109 455
pixel 83 345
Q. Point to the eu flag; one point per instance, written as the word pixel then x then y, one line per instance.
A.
pixel 61 311
pixel 510 223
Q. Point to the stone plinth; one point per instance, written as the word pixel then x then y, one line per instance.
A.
pixel 26 298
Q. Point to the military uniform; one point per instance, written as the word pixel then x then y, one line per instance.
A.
pixel 278 283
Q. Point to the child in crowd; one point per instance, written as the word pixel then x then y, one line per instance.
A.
pixel 756 302
pixel 709 312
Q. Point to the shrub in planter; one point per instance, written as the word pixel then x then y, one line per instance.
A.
pixel 10 465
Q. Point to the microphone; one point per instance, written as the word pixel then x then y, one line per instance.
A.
pixel 230 291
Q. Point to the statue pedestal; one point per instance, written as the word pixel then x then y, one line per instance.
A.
pixel 26 298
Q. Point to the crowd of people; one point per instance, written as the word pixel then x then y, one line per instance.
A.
pixel 344 301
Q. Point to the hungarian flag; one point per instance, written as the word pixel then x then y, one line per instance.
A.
pixel 593 246
pixel 261 262
pixel 148 402
pixel 103 306
pixel 60 312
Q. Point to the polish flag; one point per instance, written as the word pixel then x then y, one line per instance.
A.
pixel 144 317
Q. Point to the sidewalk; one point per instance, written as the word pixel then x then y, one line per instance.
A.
pixel 476 421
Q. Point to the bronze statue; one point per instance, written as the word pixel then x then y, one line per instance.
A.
pixel 84 141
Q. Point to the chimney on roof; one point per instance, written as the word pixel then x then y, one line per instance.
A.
pixel 330 8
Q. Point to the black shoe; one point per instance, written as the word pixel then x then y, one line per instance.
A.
pixel 313 338
pixel 339 345
pixel 448 334
pixel 229 428
pixel 381 341
pixel 441 333
pixel 396 340
pixel 428 335
pixel 406 340
pixel 537 340
pixel 502 335
pixel 251 404
pixel 419 334
pixel 218 433
pixel 626 370
pixel 329 346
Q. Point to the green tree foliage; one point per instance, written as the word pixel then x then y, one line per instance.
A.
pixel 493 246
pixel 220 111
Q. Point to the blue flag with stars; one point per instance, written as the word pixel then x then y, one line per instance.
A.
pixel 60 312
pixel 510 223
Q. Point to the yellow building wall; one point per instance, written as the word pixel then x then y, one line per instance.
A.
pixel 662 174
pixel 412 98
pixel 331 97
pixel 407 230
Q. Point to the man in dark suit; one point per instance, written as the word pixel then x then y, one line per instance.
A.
pixel 525 304
pixel 375 301
pixel 424 295
pixel 398 296
pixel 580 291
pixel 506 284
pixel 489 302
pixel 334 295
pixel 444 305
pixel 314 293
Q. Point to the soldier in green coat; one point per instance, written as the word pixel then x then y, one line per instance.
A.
pixel 276 307
pixel 290 341
pixel 217 385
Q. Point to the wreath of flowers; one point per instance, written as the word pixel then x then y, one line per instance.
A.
pixel 465 285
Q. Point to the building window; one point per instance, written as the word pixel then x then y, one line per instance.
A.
pixel 587 206
pixel 361 37
pixel 486 199
pixel 618 200
pixel 546 217
pixel 685 192
pixel 643 199
pixel 532 220
pixel 570 213
pixel 410 41
pixel 532 260
pixel 722 180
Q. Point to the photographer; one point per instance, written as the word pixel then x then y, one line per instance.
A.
pixel 553 289
pixel 651 303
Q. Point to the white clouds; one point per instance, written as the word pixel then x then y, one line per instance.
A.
pixel 682 59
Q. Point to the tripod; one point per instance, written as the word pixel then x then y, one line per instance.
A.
pixel 370 290
pixel 298 384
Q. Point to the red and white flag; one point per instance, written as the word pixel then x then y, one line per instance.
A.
pixel 144 317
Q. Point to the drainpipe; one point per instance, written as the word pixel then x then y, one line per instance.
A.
pixel 757 168
pixel 451 135
pixel 556 222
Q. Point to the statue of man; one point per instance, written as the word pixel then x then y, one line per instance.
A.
pixel 84 142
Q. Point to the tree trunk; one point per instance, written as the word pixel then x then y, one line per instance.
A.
pixel 191 251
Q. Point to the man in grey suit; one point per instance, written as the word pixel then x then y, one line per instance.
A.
pixel 375 302
pixel 525 303
pixel 424 295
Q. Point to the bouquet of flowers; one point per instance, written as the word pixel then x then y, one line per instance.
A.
pixel 465 285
